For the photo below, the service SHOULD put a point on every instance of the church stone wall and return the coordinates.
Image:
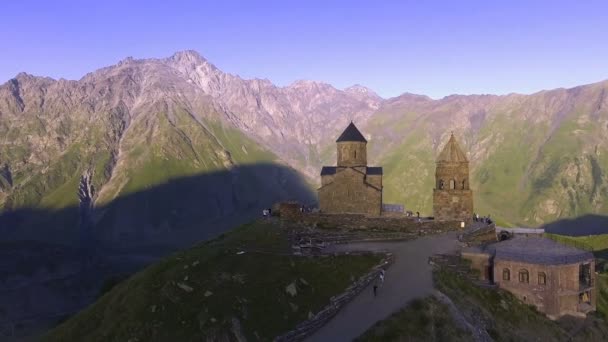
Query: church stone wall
(558, 296)
(452, 196)
(349, 193)
(451, 205)
(352, 153)
(544, 297)
(326, 179)
(447, 172)
(375, 180)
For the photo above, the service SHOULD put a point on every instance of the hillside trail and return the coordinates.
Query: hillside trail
(410, 277)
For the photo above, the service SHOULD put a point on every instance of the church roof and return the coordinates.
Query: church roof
(538, 250)
(351, 133)
(374, 170)
(328, 170)
(452, 152)
(370, 170)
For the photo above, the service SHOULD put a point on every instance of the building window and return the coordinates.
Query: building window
(441, 184)
(464, 182)
(355, 154)
(452, 184)
(524, 276)
(506, 274)
(542, 278)
(585, 278)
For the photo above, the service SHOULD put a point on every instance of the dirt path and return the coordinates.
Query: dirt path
(408, 278)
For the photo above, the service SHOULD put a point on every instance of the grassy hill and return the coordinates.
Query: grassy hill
(138, 184)
(242, 284)
(533, 159)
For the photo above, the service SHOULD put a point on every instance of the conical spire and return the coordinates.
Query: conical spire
(452, 153)
(351, 133)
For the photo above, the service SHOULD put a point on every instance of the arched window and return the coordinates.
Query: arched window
(464, 182)
(542, 278)
(452, 184)
(441, 184)
(355, 154)
(524, 276)
(506, 274)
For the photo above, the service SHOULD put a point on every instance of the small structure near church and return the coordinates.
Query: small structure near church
(452, 197)
(351, 186)
(557, 279)
(290, 210)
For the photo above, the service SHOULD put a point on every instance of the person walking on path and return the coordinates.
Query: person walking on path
(375, 289)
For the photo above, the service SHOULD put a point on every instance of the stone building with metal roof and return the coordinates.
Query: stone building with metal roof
(556, 278)
(351, 186)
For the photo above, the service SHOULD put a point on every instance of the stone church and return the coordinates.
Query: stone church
(452, 197)
(351, 186)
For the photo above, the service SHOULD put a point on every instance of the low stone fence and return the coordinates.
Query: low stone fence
(481, 235)
(336, 303)
(354, 222)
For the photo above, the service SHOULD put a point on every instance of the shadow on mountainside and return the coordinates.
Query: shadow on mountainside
(590, 224)
(178, 213)
(54, 263)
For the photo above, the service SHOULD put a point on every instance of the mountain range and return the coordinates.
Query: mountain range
(94, 144)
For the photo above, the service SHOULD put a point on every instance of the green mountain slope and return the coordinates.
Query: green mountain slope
(91, 157)
(212, 292)
(533, 158)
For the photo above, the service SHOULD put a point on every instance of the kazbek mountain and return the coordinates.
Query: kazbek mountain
(154, 148)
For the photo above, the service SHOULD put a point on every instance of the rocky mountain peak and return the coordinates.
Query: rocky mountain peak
(188, 57)
(307, 84)
(23, 78)
(359, 89)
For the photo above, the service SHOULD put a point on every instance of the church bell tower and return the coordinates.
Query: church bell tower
(352, 148)
(452, 197)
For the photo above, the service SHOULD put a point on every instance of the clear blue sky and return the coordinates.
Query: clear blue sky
(426, 47)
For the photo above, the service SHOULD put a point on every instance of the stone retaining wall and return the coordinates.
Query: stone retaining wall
(353, 222)
(479, 236)
(312, 324)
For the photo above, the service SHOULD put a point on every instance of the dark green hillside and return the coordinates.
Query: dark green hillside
(211, 292)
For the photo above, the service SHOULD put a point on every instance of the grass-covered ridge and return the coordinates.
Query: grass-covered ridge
(422, 320)
(533, 159)
(594, 243)
(212, 292)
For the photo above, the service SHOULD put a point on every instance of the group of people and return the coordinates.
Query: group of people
(411, 213)
(381, 277)
(266, 212)
(305, 209)
(485, 219)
